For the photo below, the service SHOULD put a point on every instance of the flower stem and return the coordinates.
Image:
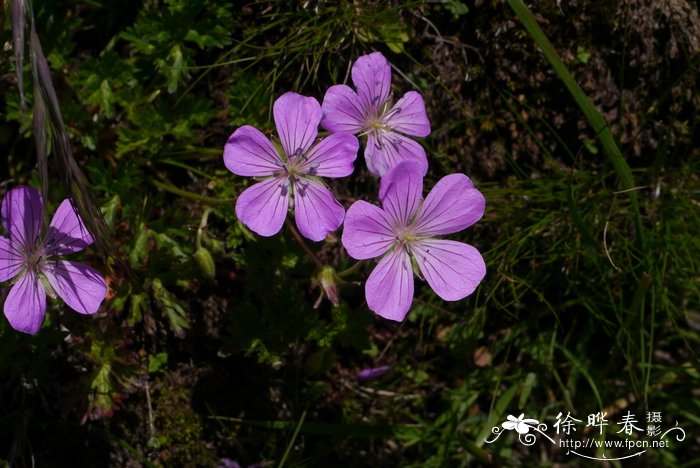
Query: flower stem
(303, 245)
(192, 196)
(349, 271)
(202, 226)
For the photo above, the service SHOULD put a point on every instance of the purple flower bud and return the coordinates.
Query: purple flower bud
(373, 372)
(327, 280)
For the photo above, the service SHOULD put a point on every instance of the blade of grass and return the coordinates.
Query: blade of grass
(294, 438)
(497, 414)
(595, 119)
(74, 180)
(18, 25)
(583, 370)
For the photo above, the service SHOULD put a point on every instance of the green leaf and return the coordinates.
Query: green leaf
(174, 312)
(456, 7)
(157, 362)
(581, 55)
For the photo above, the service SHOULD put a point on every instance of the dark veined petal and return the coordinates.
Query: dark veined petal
(67, 232)
(25, 306)
(452, 269)
(248, 152)
(372, 77)
(367, 232)
(297, 118)
(452, 205)
(389, 288)
(81, 287)
(22, 211)
(332, 157)
(408, 116)
(11, 261)
(400, 191)
(316, 211)
(342, 111)
(386, 149)
(263, 207)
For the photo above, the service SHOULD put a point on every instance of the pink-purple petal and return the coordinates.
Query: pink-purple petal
(316, 211)
(263, 207)
(371, 75)
(342, 111)
(400, 191)
(67, 232)
(248, 152)
(81, 287)
(373, 372)
(297, 118)
(386, 149)
(333, 156)
(408, 116)
(452, 269)
(452, 205)
(25, 306)
(22, 211)
(389, 288)
(367, 232)
(11, 260)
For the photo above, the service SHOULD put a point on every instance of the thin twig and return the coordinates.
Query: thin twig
(300, 241)
(605, 246)
(632, 189)
(151, 426)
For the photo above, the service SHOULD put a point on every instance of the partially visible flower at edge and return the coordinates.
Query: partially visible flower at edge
(369, 112)
(404, 230)
(27, 258)
(295, 175)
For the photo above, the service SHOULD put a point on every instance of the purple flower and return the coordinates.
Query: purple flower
(404, 231)
(373, 372)
(294, 174)
(369, 112)
(29, 259)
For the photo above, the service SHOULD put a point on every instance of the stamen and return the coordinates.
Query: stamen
(301, 186)
(312, 169)
(392, 112)
(298, 153)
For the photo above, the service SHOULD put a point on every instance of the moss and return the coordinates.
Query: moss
(178, 438)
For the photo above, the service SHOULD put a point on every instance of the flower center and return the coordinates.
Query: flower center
(297, 166)
(376, 125)
(35, 259)
(291, 168)
(404, 236)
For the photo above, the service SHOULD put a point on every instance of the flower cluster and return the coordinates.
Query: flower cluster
(405, 231)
